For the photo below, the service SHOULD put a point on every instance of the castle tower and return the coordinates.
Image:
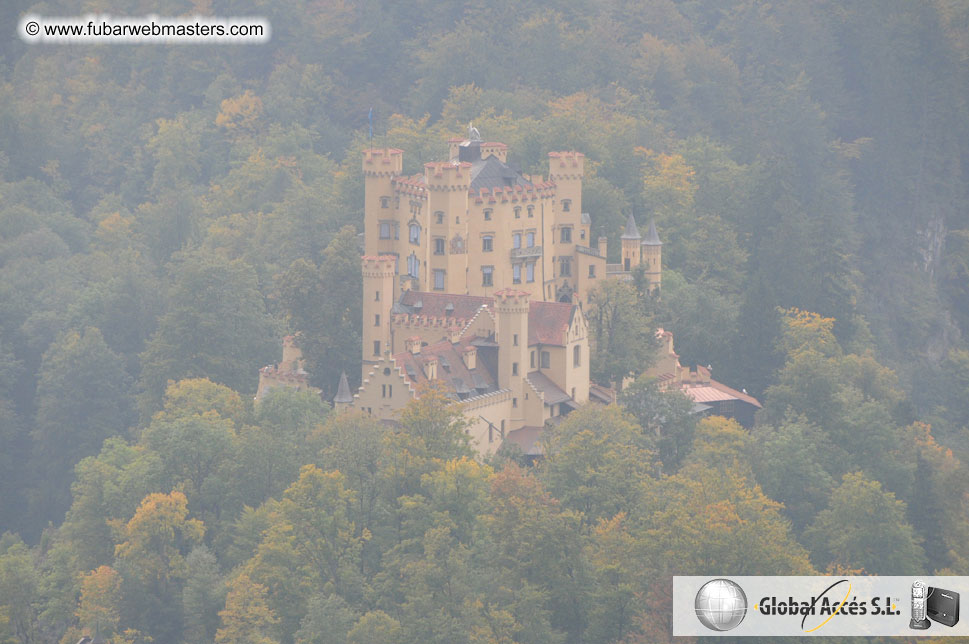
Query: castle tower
(652, 251)
(630, 245)
(511, 308)
(380, 166)
(447, 202)
(378, 299)
(343, 398)
(565, 170)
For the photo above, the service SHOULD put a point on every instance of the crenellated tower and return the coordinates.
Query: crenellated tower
(511, 309)
(378, 299)
(380, 168)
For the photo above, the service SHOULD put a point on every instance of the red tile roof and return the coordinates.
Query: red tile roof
(548, 322)
(450, 366)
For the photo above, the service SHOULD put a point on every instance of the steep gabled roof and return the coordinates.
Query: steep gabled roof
(549, 322)
(436, 304)
(492, 173)
(451, 369)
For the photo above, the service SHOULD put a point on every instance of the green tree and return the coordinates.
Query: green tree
(596, 460)
(203, 594)
(20, 600)
(667, 415)
(216, 327)
(82, 399)
(328, 621)
(865, 528)
(323, 304)
(621, 334)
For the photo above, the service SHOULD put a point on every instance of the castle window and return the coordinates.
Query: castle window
(487, 276)
(577, 355)
(592, 271)
(386, 391)
(376, 347)
(385, 202)
(376, 296)
(546, 360)
(582, 235)
(514, 402)
(518, 212)
(415, 234)
(385, 230)
(487, 214)
(439, 217)
(503, 428)
(530, 272)
(376, 320)
(530, 240)
(438, 245)
(566, 236)
(516, 240)
(487, 243)
(531, 360)
(413, 265)
(438, 279)
(531, 211)
(514, 368)
(566, 205)
(516, 273)
(565, 267)
(396, 230)
(514, 340)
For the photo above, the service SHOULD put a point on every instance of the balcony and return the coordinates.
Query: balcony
(526, 253)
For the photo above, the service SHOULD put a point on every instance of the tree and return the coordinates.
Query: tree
(667, 415)
(328, 621)
(865, 528)
(99, 608)
(151, 559)
(375, 627)
(323, 304)
(247, 617)
(216, 327)
(20, 599)
(202, 596)
(82, 399)
(621, 334)
(596, 460)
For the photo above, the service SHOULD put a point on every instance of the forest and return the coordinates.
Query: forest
(169, 212)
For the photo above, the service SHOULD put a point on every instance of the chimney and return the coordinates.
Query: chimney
(413, 344)
(470, 357)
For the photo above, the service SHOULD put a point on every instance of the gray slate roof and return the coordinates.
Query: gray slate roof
(652, 239)
(631, 232)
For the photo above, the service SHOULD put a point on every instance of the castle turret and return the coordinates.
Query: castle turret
(630, 245)
(511, 308)
(343, 398)
(380, 167)
(652, 253)
(378, 299)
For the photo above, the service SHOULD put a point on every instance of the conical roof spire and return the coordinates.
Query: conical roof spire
(652, 239)
(343, 394)
(631, 232)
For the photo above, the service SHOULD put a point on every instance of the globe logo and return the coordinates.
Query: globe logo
(720, 605)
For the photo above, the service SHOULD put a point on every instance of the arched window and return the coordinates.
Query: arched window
(415, 233)
(413, 265)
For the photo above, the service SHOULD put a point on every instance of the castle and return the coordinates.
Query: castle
(474, 278)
